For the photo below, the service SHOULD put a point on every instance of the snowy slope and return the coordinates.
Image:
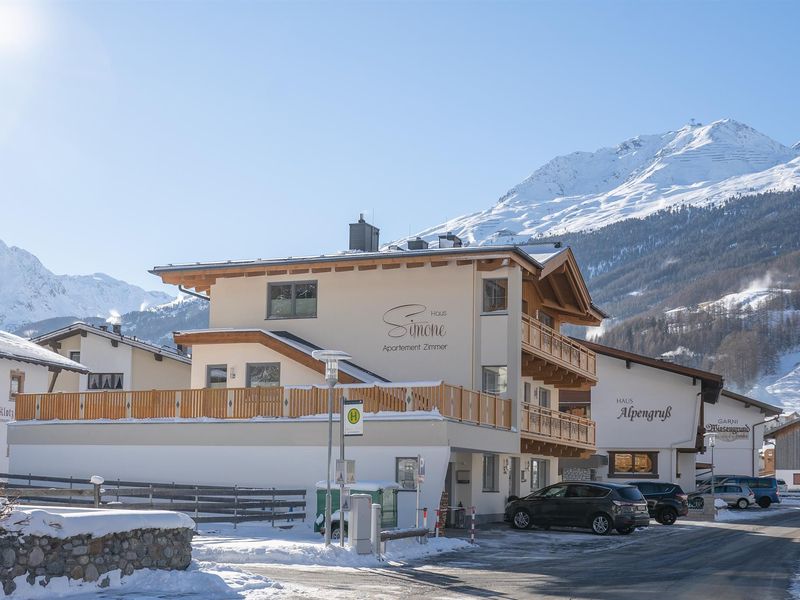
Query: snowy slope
(30, 292)
(782, 388)
(698, 164)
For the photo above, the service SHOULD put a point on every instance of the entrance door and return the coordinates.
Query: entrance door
(448, 495)
(513, 477)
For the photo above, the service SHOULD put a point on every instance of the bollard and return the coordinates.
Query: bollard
(438, 519)
(375, 537)
(425, 518)
(96, 481)
(472, 528)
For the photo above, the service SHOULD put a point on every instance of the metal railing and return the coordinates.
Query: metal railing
(543, 341)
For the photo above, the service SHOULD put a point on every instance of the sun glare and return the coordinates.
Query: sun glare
(20, 26)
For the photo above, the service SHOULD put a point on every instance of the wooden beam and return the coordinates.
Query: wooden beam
(321, 270)
(367, 267)
(414, 265)
(344, 268)
(440, 263)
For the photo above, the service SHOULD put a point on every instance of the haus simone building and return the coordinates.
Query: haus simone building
(457, 354)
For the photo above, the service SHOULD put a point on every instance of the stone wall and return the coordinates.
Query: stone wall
(86, 558)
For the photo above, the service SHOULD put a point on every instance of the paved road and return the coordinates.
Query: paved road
(722, 561)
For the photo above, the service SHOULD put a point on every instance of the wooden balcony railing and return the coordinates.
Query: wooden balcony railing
(454, 403)
(547, 343)
(550, 425)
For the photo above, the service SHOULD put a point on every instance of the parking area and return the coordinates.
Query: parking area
(738, 559)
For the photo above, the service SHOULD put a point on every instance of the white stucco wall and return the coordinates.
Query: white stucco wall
(36, 381)
(100, 356)
(734, 452)
(646, 409)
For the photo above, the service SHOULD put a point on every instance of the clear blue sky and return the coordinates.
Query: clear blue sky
(142, 133)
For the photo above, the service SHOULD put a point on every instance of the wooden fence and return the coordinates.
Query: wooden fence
(204, 503)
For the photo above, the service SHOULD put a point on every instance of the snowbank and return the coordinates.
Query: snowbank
(301, 546)
(68, 522)
(201, 580)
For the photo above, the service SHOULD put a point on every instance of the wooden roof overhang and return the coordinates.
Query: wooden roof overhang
(201, 277)
(560, 288)
(259, 337)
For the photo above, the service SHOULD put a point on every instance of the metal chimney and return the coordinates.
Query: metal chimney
(363, 236)
(417, 244)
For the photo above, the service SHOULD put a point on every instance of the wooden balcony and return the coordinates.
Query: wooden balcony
(554, 358)
(554, 433)
(453, 403)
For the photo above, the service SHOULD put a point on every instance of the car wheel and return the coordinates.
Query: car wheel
(336, 531)
(667, 516)
(625, 530)
(521, 519)
(764, 501)
(601, 524)
(742, 503)
(697, 502)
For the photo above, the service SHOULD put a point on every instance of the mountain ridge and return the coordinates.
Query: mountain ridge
(695, 165)
(31, 292)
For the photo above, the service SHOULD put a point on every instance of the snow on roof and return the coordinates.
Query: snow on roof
(538, 253)
(78, 326)
(13, 347)
(300, 344)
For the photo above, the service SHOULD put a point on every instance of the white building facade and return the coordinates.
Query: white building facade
(456, 353)
(24, 368)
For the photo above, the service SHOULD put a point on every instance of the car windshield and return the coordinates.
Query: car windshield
(630, 493)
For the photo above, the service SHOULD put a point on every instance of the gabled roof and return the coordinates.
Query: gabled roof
(288, 344)
(540, 260)
(712, 382)
(782, 428)
(81, 327)
(767, 409)
(13, 347)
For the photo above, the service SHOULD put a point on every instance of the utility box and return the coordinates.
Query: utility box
(360, 523)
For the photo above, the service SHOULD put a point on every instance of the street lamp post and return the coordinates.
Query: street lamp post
(712, 441)
(331, 359)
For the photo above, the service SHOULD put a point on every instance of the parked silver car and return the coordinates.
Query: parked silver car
(739, 496)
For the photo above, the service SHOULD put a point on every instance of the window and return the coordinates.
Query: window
(491, 480)
(554, 491)
(586, 491)
(538, 473)
(406, 469)
(292, 300)
(526, 393)
(263, 375)
(495, 295)
(105, 381)
(545, 319)
(633, 464)
(544, 397)
(75, 355)
(17, 384)
(217, 376)
(495, 380)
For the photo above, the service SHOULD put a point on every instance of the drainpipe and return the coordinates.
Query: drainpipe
(195, 294)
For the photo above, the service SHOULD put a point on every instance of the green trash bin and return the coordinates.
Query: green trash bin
(381, 492)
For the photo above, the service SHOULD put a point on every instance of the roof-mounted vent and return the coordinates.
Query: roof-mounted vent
(449, 240)
(417, 244)
(363, 236)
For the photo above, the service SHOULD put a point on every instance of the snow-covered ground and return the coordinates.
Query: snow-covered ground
(256, 543)
(783, 387)
(755, 513)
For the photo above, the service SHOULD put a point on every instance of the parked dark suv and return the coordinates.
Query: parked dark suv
(598, 506)
(665, 501)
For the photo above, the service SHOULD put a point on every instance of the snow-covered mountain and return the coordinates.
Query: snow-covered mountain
(30, 292)
(697, 164)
